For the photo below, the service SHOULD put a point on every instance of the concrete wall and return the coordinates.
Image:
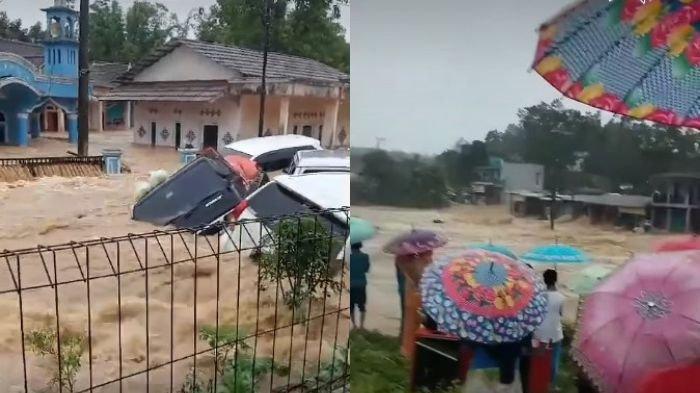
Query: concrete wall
(191, 117)
(183, 64)
(238, 117)
(522, 176)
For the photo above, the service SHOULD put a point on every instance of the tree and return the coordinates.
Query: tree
(307, 28)
(13, 30)
(148, 25)
(107, 37)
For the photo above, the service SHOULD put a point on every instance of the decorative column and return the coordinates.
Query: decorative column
(127, 115)
(36, 125)
(284, 115)
(72, 128)
(100, 116)
(330, 121)
(23, 128)
(61, 127)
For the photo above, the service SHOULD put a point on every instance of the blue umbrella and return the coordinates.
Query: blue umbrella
(495, 248)
(360, 230)
(556, 253)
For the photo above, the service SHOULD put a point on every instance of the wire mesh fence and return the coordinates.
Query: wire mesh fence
(179, 311)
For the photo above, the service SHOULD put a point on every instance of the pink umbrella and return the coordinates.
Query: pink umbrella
(642, 318)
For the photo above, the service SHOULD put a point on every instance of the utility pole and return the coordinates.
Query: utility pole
(266, 48)
(380, 140)
(84, 79)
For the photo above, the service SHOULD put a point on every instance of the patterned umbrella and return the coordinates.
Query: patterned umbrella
(639, 58)
(360, 230)
(495, 248)
(687, 244)
(415, 242)
(484, 297)
(643, 317)
(556, 253)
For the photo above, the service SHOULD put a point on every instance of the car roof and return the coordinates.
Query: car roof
(325, 190)
(324, 158)
(261, 145)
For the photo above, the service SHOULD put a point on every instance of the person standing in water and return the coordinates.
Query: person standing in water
(359, 267)
(550, 332)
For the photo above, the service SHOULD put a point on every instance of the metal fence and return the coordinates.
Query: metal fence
(178, 311)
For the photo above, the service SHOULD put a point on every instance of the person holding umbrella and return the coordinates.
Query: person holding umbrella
(413, 253)
(488, 300)
(359, 267)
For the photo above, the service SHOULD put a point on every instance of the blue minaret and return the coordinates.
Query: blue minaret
(61, 44)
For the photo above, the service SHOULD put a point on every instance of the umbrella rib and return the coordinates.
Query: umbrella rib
(627, 352)
(581, 342)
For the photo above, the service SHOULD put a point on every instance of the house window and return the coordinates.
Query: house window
(537, 178)
(59, 56)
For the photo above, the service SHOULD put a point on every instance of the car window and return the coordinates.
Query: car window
(324, 170)
(279, 159)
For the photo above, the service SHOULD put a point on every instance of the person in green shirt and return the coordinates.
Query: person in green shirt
(359, 266)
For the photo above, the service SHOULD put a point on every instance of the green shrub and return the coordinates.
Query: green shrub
(63, 368)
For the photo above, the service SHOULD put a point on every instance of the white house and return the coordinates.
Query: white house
(208, 95)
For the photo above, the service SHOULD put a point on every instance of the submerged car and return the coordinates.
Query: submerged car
(319, 161)
(272, 153)
(196, 196)
(287, 195)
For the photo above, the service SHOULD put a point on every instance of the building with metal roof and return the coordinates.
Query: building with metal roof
(208, 95)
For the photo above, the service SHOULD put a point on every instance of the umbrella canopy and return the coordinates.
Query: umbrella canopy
(589, 278)
(556, 253)
(671, 380)
(632, 57)
(495, 248)
(244, 166)
(360, 230)
(484, 297)
(641, 318)
(687, 244)
(415, 242)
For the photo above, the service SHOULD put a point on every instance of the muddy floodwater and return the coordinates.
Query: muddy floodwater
(181, 297)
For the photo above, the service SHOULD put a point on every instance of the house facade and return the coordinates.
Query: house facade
(676, 202)
(39, 83)
(509, 177)
(191, 93)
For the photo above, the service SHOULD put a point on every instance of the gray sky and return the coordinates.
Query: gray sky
(425, 73)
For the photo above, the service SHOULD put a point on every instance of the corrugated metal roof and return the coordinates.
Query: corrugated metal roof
(247, 62)
(629, 201)
(205, 91)
(32, 52)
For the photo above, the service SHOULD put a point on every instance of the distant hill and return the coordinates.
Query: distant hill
(357, 153)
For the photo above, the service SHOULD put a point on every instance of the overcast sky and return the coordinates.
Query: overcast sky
(425, 73)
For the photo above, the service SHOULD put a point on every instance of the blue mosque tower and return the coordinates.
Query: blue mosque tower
(36, 90)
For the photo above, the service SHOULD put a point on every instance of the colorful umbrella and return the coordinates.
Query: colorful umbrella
(588, 278)
(643, 317)
(495, 248)
(556, 253)
(687, 244)
(245, 167)
(639, 58)
(415, 242)
(360, 230)
(484, 297)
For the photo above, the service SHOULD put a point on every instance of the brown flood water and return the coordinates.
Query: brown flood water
(58, 210)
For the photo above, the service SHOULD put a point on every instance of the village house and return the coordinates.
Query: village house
(196, 94)
(500, 178)
(676, 202)
(39, 84)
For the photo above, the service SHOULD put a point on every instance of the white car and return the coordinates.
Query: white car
(272, 153)
(319, 161)
(288, 195)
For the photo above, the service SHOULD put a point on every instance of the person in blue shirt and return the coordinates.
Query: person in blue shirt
(359, 267)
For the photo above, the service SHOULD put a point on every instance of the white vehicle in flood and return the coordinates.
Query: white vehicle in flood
(319, 161)
(272, 153)
(288, 195)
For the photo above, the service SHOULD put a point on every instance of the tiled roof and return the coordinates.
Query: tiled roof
(200, 91)
(106, 74)
(247, 62)
(32, 52)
